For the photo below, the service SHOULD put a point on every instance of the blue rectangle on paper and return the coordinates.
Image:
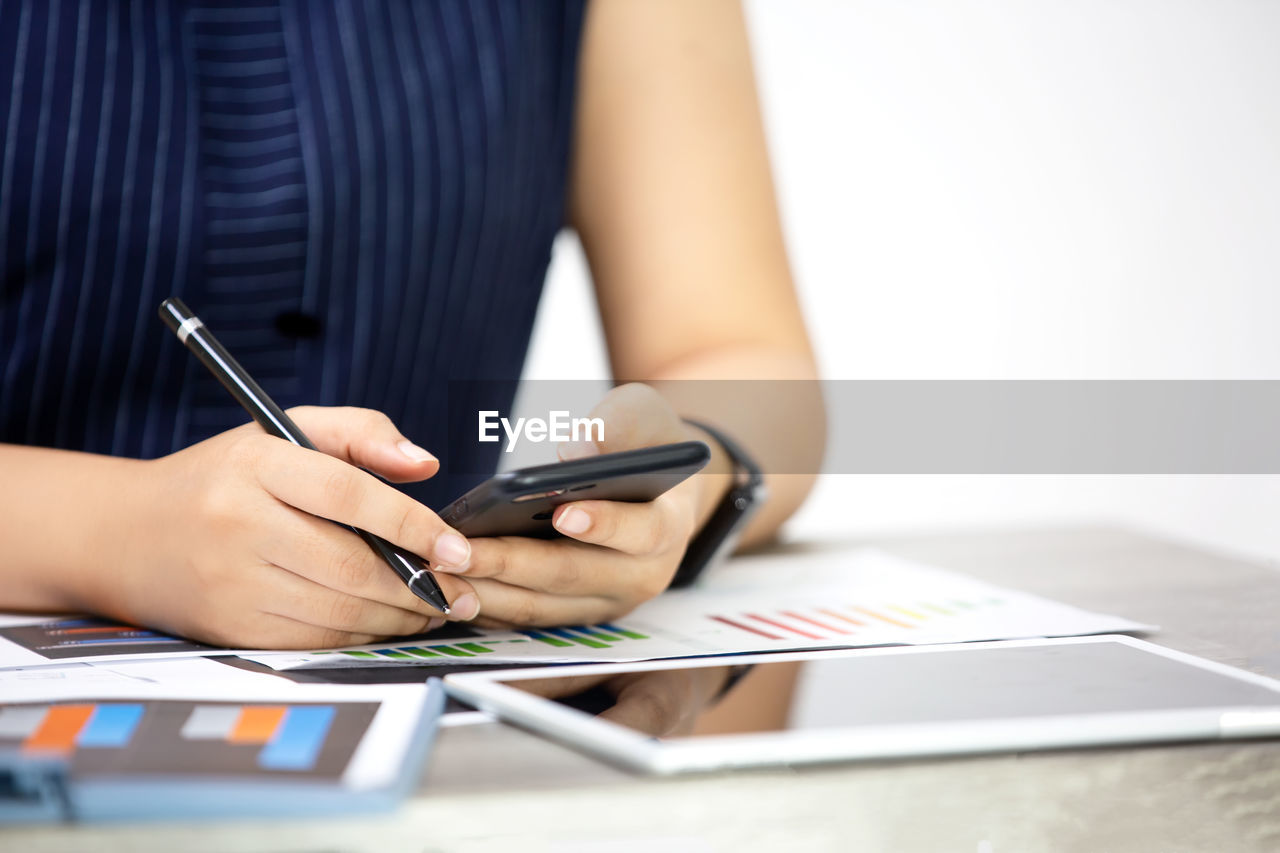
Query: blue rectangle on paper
(298, 739)
(110, 725)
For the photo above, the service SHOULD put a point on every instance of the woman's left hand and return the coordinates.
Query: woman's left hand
(613, 555)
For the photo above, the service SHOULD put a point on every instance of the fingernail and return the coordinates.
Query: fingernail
(465, 607)
(434, 623)
(414, 452)
(579, 449)
(573, 520)
(452, 550)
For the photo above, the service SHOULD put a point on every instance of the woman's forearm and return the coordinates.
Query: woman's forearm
(769, 400)
(61, 537)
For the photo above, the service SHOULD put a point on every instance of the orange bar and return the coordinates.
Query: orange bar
(59, 729)
(256, 725)
(842, 617)
(883, 618)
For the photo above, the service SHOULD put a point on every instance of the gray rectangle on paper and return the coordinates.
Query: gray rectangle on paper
(21, 722)
(210, 722)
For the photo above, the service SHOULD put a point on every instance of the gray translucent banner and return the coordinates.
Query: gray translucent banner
(963, 427)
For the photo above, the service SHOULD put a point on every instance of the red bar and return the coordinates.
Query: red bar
(843, 618)
(784, 627)
(742, 627)
(59, 728)
(815, 623)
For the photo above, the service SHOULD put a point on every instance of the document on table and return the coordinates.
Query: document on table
(768, 603)
(864, 598)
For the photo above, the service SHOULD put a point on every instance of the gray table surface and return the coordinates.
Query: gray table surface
(493, 788)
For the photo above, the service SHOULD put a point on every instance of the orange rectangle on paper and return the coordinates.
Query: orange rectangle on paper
(874, 615)
(256, 725)
(59, 728)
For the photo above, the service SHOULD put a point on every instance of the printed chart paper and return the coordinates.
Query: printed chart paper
(836, 599)
(774, 604)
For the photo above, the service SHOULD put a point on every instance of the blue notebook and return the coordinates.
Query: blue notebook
(153, 754)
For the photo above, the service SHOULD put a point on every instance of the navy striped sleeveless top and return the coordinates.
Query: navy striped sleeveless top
(359, 198)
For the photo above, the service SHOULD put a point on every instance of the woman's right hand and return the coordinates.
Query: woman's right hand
(227, 541)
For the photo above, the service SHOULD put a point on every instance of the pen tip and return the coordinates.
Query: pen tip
(444, 608)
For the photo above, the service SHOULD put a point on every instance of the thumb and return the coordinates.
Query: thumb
(365, 438)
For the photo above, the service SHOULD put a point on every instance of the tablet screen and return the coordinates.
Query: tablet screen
(952, 684)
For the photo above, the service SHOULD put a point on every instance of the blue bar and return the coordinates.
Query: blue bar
(298, 739)
(111, 725)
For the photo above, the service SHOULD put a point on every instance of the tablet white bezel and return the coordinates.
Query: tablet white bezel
(486, 691)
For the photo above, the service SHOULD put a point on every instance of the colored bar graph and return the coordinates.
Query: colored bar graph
(842, 617)
(623, 632)
(877, 615)
(575, 638)
(59, 729)
(475, 648)
(110, 726)
(394, 653)
(744, 627)
(814, 622)
(600, 635)
(783, 626)
(543, 638)
(452, 652)
(419, 652)
(298, 739)
(256, 725)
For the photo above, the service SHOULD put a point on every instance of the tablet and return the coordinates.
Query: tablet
(905, 702)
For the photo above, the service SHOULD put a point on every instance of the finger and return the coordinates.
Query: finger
(518, 606)
(654, 703)
(633, 528)
(634, 416)
(298, 598)
(664, 702)
(566, 567)
(365, 438)
(332, 555)
(269, 631)
(324, 486)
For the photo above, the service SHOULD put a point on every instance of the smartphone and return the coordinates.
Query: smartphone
(521, 502)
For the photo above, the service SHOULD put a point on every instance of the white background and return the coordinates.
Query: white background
(1084, 189)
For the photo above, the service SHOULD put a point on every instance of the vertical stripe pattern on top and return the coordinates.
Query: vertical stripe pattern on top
(359, 198)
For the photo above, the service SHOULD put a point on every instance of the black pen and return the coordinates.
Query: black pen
(411, 568)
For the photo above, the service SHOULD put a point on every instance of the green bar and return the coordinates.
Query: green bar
(550, 641)
(630, 635)
(966, 605)
(608, 638)
(582, 641)
(452, 652)
(936, 609)
(474, 647)
(389, 653)
(361, 654)
(422, 653)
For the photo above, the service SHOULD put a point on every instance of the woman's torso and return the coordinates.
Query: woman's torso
(359, 198)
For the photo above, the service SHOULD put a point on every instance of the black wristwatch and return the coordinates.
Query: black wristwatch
(720, 535)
